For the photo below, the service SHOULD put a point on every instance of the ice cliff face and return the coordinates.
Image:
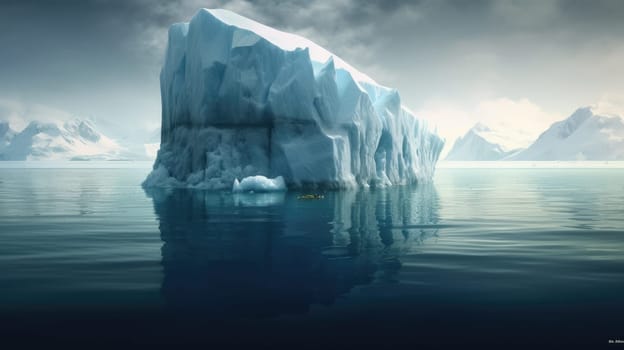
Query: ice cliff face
(242, 99)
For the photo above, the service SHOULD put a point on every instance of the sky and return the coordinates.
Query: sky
(513, 65)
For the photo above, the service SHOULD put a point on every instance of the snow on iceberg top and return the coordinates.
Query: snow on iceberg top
(288, 41)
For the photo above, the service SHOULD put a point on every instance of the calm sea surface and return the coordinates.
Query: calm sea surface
(509, 256)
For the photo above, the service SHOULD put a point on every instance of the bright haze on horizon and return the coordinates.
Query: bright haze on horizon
(515, 65)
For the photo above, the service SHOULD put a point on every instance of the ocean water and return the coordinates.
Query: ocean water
(479, 256)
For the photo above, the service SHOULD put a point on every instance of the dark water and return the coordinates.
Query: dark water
(509, 256)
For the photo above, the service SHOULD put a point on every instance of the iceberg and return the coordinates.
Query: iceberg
(241, 99)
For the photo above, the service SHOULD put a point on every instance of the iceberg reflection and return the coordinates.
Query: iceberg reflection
(258, 199)
(258, 256)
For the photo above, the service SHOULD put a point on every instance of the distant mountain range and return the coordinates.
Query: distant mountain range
(76, 139)
(582, 136)
(585, 135)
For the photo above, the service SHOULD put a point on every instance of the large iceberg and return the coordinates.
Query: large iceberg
(242, 99)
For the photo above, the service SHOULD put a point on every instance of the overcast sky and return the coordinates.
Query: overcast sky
(512, 64)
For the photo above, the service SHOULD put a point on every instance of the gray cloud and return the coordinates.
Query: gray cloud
(101, 57)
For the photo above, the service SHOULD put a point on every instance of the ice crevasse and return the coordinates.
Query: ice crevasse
(242, 99)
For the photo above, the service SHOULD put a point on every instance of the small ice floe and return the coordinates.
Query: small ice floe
(259, 183)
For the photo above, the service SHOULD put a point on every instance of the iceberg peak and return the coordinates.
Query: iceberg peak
(286, 41)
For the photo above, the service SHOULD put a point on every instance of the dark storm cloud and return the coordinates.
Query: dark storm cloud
(110, 29)
(102, 57)
(121, 32)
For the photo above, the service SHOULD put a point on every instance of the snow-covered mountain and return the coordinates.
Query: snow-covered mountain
(6, 135)
(480, 143)
(73, 140)
(242, 99)
(584, 135)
